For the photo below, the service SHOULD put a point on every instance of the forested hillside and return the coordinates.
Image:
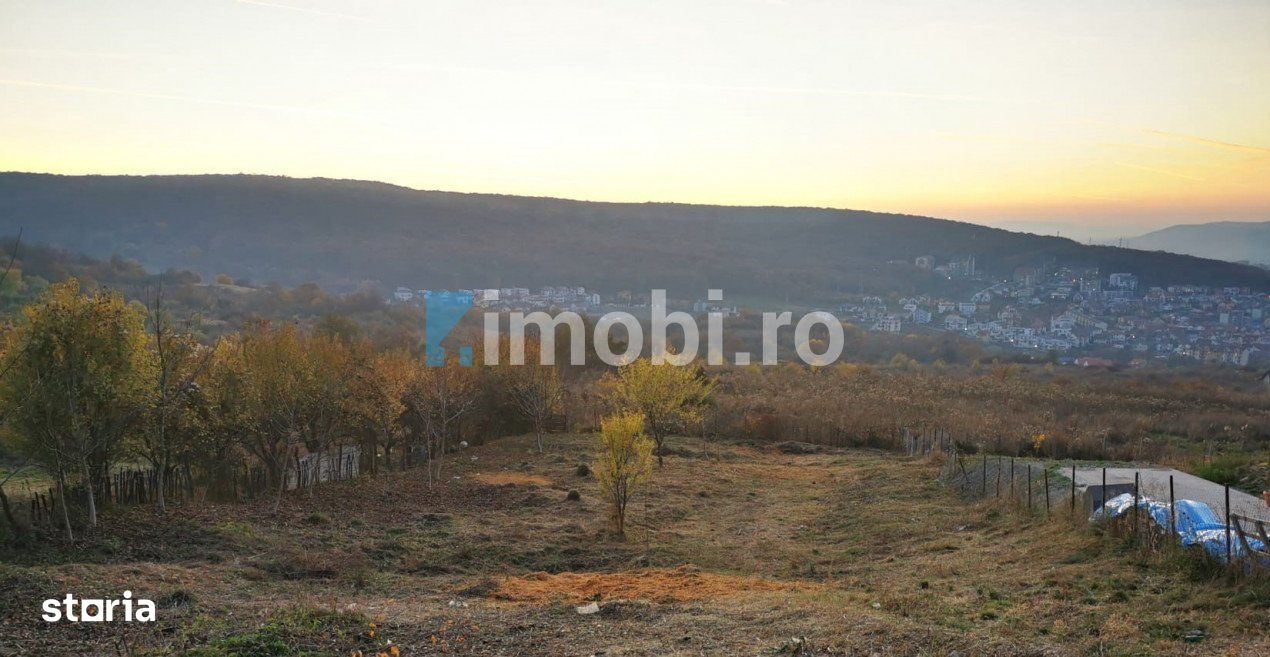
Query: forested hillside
(340, 234)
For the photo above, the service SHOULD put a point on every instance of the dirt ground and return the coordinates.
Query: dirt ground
(732, 550)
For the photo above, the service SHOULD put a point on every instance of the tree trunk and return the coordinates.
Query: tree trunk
(90, 496)
(159, 493)
(18, 530)
(432, 455)
(440, 453)
(282, 481)
(316, 471)
(66, 515)
(621, 498)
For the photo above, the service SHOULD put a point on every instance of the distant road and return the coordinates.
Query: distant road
(1155, 484)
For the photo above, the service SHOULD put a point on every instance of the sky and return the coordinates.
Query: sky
(1090, 118)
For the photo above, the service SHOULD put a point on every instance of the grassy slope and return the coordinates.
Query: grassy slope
(858, 552)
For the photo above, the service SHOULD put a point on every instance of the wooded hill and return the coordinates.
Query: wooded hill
(341, 233)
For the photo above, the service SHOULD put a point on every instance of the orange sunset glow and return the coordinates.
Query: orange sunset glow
(1084, 113)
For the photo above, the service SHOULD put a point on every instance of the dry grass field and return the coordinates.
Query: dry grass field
(734, 550)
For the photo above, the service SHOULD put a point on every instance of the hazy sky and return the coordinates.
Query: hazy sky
(1078, 112)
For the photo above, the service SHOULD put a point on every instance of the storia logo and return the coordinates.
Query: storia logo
(97, 610)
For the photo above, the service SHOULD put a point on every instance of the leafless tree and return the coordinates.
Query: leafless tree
(537, 392)
(439, 397)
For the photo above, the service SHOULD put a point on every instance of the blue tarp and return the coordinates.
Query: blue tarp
(1196, 523)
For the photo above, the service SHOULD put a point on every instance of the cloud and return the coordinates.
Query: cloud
(304, 10)
(1163, 172)
(1209, 142)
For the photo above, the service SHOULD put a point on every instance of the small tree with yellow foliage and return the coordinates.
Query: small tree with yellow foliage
(666, 395)
(625, 463)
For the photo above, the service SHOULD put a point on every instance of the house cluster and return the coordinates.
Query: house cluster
(958, 268)
(523, 299)
(1066, 309)
(705, 306)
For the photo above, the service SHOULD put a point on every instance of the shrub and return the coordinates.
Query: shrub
(624, 463)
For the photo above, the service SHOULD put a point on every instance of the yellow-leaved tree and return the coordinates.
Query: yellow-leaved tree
(668, 396)
(624, 463)
(378, 383)
(75, 386)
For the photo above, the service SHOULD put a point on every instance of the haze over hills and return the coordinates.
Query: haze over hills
(1222, 240)
(341, 233)
(1106, 232)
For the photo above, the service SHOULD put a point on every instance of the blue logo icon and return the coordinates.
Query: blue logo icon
(442, 312)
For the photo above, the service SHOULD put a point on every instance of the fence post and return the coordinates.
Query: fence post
(1073, 489)
(1029, 488)
(1227, 524)
(1103, 495)
(1243, 536)
(1013, 498)
(1172, 509)
(998, 475)
(1047, 493)
(1134, 530)
(983, 485)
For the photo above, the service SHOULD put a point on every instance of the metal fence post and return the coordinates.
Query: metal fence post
(983, 479)
(1046, 472)
(1134, 530)
(1073, 489)
(1172, 509)
(1103, 495)
(1227, 524)
(1029, 488)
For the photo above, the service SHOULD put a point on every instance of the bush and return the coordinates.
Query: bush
(1228, 469)
(624, 463)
